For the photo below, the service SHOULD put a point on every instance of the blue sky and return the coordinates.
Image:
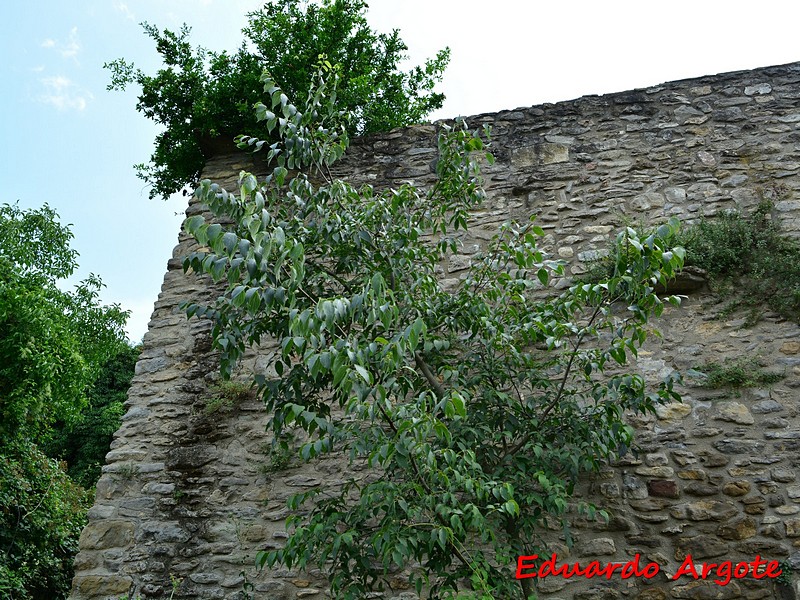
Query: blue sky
(70, 143)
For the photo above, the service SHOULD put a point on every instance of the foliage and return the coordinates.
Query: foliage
(36, 243)
(737, 373)
(83, 444)
(748, 260)
(785, 578)
(749, 257)
(53, 345)
(42, 512)
(475, 408)
(201, 94)
(290, 39)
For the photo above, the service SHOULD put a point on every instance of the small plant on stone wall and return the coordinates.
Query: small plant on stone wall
(750, 263)
(476, 408)
(126, 472)
(279, 453)
(737, 373)
(247, 587)
(175, 582)
(785, 578)
(226, 395)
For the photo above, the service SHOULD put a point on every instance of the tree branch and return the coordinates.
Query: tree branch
(435, 384)
(516, 448)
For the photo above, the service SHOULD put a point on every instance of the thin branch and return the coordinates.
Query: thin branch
(435, 384)
(426, 487)
(516, 448)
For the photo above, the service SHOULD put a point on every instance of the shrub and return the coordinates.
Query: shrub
(477, 408)
(747, 257)
(738, 373)
(84, 443)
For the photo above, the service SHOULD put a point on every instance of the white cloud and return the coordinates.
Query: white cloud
(68, 49)
(64, 94)
(123, 8)
(73, 45)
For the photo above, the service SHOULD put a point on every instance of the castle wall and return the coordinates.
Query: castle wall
(192, 491)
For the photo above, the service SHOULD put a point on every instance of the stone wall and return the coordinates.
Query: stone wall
(191, 491)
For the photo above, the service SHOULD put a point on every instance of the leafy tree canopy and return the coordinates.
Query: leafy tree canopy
(475, 408)
(52, 342)
(42, 512)
(200, 94)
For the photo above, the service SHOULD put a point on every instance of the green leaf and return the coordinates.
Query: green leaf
(543, 276)
(364, 374)
(229, 241)
(192, 224)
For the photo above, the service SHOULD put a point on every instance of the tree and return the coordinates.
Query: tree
(476, 409)
(200, 94)
(53, 344)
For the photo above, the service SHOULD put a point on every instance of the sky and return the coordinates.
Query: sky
(71, 144)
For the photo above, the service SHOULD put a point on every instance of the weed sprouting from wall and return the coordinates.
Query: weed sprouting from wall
(750, 263)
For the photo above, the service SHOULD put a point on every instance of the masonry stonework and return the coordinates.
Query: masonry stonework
(191, 490)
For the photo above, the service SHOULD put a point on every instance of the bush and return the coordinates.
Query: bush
(83, 444)
(739, 373)
(746, 256)
(53, 346)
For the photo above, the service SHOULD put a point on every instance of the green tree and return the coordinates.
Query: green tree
(53, 344)
(476, 408)
(199, 95)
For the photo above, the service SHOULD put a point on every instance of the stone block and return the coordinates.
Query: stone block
(736, 488)
(793, 528)
(673, 411)
(737, 529)
(665, 488)
(106, 534)
(97, 586)
(734, 412)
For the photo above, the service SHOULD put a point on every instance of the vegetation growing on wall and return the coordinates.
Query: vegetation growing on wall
(477, 407)
(200, 94)
(737, 373)
(748, 259)
(53, 346)
(749, 262)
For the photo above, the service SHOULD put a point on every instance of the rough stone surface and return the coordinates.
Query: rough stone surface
(190, 489)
